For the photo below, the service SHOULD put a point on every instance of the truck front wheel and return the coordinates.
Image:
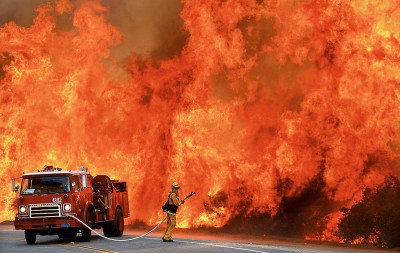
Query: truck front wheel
(87, 233)
(30, 236)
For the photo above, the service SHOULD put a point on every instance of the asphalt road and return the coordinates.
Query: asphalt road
(14, 241)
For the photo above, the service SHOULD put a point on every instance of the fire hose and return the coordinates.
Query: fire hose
(123, 240)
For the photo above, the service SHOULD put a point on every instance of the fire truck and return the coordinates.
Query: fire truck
(48, 198)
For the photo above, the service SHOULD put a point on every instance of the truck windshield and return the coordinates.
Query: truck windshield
(45, 185)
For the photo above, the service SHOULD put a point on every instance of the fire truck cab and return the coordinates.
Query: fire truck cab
(46, 197)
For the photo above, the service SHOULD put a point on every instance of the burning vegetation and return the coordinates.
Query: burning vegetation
(375, 218)
(279, 113)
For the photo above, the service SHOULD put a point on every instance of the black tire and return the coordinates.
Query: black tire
(87, 233)
(118, 224)
(30, 236)
(107, 229)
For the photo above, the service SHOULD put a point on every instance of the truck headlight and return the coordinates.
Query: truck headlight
(22, 209)
(67, 207)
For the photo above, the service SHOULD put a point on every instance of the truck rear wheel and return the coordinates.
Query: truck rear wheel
(107, 229)
(87, 233)
(30, 236)
(118, 224)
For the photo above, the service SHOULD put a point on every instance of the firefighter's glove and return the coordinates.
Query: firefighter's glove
(182, 202)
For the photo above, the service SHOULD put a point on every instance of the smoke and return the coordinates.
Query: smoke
(19, 11)
(150, 28)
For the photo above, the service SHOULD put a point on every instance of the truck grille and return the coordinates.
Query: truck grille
(44, 210)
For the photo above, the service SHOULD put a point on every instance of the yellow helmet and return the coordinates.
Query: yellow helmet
(175, 185)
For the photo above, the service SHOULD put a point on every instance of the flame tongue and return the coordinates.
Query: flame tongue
(264, 103)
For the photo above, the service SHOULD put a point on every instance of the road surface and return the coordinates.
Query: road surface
(14, 241)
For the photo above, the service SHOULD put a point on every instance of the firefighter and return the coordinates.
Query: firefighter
(173, 199)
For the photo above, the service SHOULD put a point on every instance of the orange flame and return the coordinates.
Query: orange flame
(264, 99)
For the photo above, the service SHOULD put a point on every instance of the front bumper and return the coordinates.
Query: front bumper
(21, 223)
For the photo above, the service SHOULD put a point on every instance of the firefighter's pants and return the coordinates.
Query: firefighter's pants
(171, 222)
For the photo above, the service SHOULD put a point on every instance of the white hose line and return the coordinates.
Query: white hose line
(112, 239)
(190, 242)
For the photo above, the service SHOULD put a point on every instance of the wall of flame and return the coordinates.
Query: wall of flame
(245, 102)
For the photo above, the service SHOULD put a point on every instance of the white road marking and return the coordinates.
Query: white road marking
(213, 245)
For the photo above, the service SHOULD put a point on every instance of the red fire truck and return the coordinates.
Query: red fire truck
(47, 197)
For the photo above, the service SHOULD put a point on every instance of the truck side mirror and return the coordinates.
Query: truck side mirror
(15, 187)
(74, 187)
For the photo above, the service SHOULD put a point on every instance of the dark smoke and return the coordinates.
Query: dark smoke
(150, 28)
(19, 11)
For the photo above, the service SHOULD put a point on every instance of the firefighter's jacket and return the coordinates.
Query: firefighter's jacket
(174, 202)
